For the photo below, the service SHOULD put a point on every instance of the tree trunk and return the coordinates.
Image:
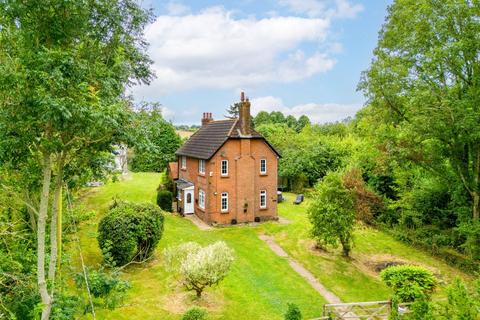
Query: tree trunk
(476, 206)
(199, 293)
(55, 226)
(41, 224)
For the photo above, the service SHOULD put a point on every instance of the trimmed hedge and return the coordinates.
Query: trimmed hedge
(129, 231)
(164, 200)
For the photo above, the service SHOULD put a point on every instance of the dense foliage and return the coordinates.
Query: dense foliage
(154, 140)
(130, 231)
(332, 214)
(200, 267)
(409, 283)
(277, 117)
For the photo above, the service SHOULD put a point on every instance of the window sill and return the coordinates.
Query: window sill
(263, 209)
(201, 174)
(201, 209)
(224, 176)
(224, 212)
(263, 174)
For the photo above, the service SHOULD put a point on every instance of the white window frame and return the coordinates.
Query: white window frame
(201, 198)
(221, 168)
(201, 166)
(183, 162)
(263, 194)
(224, 196)
(264, 171)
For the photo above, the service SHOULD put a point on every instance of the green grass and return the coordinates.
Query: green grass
(260, 284)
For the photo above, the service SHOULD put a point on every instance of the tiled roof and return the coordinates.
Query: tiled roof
(210, 137)
(172, 170)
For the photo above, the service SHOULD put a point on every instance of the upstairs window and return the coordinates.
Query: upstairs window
(263, 199)
(263, 166)
(183, 164)
(201, 199)
(201, 166)
(224, 202)
(224, 168)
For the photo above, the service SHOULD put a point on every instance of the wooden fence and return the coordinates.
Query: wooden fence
(372, 310)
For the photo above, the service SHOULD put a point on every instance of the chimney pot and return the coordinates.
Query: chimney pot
(242, 96)
(207, 117)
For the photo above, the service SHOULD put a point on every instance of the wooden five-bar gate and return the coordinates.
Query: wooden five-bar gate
(372, 310)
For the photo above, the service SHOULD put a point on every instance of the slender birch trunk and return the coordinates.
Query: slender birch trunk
(55, 226)
(41, 224)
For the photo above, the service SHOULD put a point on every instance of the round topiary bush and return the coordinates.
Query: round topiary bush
(164, 200)
(129, 231)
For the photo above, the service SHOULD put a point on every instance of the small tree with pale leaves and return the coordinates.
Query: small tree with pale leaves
(200, 267)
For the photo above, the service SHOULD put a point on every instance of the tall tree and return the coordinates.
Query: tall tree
(233, 111)
(64, 67)
(425, 81)
(155, 140)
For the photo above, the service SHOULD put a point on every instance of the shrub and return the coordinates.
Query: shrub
(195, 313)
(129, 231)
(332, 213)
(164, 200)
(200, 267)
(409, 282)
(107, 289)
(293, 312)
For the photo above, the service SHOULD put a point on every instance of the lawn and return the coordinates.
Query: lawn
(260, 284)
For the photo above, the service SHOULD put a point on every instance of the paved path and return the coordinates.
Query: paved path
(301, 270)
(199, 223)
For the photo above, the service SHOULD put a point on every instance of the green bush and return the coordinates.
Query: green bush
(195, 313)
(409, 282)
(332, 214)
(164, 200)
(293, 312)
(129, 231)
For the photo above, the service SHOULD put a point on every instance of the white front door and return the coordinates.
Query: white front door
(188, 200)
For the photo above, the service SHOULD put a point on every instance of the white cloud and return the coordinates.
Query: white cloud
(214, 49)
(323, 8)
(317, 112)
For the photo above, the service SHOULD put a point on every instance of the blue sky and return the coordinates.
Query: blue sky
(296, 56)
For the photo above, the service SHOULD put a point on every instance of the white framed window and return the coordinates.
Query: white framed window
(201, 166)
(201, 198)
(224, 201)
(263, 166)
(224, 168)
(183, 163)
(263, 199)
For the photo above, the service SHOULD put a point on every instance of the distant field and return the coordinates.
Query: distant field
(185, 134)
(260, 284)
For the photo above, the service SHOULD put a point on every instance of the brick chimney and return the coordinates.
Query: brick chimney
(244, 115)
(207, 117)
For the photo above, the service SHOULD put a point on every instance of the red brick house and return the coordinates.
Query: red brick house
(227, 172)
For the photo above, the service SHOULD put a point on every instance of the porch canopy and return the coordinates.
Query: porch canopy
(183, 184)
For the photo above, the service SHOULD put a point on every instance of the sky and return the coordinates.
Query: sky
(295, 56)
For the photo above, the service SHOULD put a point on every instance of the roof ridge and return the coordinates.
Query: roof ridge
(233, 127)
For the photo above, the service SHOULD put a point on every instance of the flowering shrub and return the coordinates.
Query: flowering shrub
(200, 267)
